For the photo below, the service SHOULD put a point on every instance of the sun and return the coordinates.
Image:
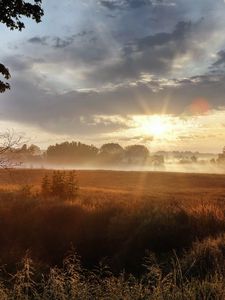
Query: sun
(156, 126)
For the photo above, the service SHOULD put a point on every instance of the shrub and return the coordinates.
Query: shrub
(25, 192)
(45, 186)
(63, 185)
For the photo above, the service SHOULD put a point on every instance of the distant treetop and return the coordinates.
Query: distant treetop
(112, 148)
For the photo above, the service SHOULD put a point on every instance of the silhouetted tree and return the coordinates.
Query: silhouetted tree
(111, 153)
(136, 154)
(71, 153)
(34, 150)
(111, 148)
(76, 153)
(11, 14)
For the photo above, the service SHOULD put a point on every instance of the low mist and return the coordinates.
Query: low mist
(206, 168)
(112, 156)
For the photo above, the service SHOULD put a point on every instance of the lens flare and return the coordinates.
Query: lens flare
(199, 106)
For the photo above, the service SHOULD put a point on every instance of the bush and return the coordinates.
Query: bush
(63, 185)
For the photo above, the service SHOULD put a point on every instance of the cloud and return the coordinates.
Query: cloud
(153, 54)
(20, 63)
(62, 43)
(221, 59)
(162, 38)
(58, 42)
(133, 4)
(109, 4)
(38, 40)
(115, 4)
(107, 109)
(151, 57)
(109, 51)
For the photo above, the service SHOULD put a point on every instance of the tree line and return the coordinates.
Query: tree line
(110, 153)
(77, 153)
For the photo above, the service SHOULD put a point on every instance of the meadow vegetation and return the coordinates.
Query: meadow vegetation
(124, 237)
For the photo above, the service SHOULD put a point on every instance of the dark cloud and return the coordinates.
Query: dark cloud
(123, 4)
(159, 39)
(78, 112)
(62, 43)
(122, 49)
(221, 59)
(109, 4)
(58, 42)
(38, 40)
(153, 54)
(127, 62)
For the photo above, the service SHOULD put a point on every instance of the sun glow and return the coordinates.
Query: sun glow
(156, 126)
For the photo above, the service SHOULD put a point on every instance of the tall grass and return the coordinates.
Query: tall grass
(72, 281)
(98, 227)
(181, 238)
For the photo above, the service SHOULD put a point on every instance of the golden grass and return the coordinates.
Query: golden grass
(117, 216)
(138, 183)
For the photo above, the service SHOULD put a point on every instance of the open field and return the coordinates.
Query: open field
(135, 183)
(176, 221)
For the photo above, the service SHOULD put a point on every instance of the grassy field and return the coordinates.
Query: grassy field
(146, 183)
(166, 229)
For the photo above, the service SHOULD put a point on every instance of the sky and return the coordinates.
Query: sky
(146, 72)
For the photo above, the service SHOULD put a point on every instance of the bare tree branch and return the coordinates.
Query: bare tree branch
(9, 144)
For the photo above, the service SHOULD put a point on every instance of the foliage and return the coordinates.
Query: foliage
(5, 72)
(11, 13)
